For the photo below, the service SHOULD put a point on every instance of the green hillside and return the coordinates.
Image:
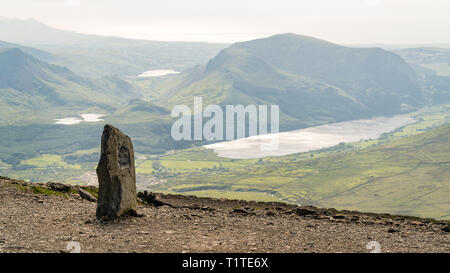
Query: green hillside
(407, 176)
(35, 91)
(433, 67)
(313, 81)
(38, 54)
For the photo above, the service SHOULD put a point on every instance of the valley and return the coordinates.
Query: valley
(360, 128)
(339, 176)
(405, 175)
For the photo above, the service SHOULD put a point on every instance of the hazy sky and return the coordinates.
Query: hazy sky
(340, 21)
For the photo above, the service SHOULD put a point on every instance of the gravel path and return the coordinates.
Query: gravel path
(32, 222)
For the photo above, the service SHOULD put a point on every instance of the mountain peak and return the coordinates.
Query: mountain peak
(291, 35)
(14, 57)
(292, 66)
(13, 50)
(287, 40)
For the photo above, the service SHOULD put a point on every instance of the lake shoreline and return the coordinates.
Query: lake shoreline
(308, 139)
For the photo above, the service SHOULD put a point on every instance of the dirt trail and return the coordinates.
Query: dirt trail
(43, 220)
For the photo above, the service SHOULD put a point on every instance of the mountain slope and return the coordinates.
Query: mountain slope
(28, 85)
(409, 176)
(34, 93)
(95, 55)
(433, 67)
(38, 54)
(313, 81)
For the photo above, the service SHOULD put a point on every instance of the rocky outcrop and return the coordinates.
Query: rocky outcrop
(305, 211)
(59, 186)
(86, 195)
(116, 175)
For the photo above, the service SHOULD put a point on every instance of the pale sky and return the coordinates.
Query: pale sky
(339, 21)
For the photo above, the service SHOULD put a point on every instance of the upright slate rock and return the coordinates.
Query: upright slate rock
(116, 175)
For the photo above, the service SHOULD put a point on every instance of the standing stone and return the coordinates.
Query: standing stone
(116, 175)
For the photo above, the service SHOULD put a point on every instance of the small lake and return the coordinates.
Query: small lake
(92, 117)
(308, 139)
(157, 73)
(81, 118)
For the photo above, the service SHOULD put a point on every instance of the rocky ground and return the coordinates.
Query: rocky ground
(55, 218)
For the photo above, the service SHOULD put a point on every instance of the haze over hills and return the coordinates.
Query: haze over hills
(433, 67)
(224, 126)
(95, 55)
(34, 93)
(38, 54)
(29, 86)
(312, 80)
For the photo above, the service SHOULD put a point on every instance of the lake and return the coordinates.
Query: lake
(157, 73)
(308, 139)
(81, 118)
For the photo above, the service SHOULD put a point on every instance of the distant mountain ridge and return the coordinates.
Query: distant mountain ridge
(28, 85)
(38, 54)
(34, 93)
(312, 80)
(309, 90)
(433, 67)
(95, 55)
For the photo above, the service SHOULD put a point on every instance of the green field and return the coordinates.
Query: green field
(441, 69)
(407, 176)
(314, 82)
(402, 172)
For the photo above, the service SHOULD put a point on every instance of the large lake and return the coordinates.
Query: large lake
(308, 139)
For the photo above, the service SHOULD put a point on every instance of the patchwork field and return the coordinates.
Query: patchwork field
(404, 172)
(406, 176)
